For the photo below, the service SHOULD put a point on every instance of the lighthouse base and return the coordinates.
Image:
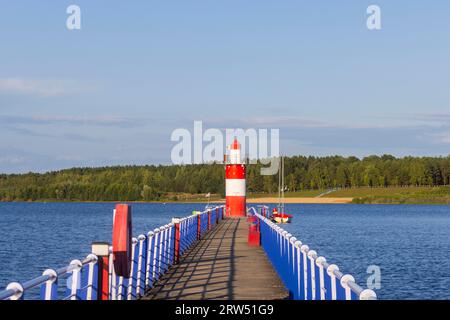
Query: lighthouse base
(236, 206)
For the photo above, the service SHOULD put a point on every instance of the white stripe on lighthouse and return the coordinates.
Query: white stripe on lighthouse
(235, 187)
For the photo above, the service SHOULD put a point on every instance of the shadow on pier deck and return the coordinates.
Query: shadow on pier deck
(221, 266)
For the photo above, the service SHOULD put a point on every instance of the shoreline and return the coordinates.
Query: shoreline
(262, 200)
(249, 200)
(302, 200)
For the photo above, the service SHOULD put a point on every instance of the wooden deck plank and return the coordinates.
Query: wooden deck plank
(221, 266)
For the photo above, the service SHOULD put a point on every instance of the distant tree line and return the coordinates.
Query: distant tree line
(149, 183)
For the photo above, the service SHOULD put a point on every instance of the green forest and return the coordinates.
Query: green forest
(168, 182)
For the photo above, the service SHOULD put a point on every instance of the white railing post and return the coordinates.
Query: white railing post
(155, 252)
(166, 247)
(112, 277)
(141, 239)
(92, 278)
(75, 283)
(120, 289)
(49, 289)
(160, 250)
(320, 262)
(292, 241)
(304, 249)
(298, 245)
(288, 242)
(168, 243)
(312, 255)
(330, 270)
(344, 283)
(149, 260)
(132, 270)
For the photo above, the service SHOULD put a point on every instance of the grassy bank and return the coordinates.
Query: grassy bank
(297, 194)
(389, 195)
(420, 195)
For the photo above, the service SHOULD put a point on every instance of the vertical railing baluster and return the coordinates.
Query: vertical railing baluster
(149, 270)
(141, 263)
(131, 288)
(300, 290)
(344, 283)
(92, 278)
(312, 255)
(291, 268)
(169, 245)
(320, 262)
(121, 288)
(155, 276)
(304, 251)
(330, 271)
(167, 251)
(49, 289)
(75, 279)
(160, 249)
(112, 278)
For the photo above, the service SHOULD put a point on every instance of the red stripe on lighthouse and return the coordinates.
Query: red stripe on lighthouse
(235, 171)
(236, 206)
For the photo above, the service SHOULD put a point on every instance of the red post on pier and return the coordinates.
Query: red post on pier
(101, 250)
(217, 215)
(199, 227)
(209, 219)
(254, 234)
(176, 223)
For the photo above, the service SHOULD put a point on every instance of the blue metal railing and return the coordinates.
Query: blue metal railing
(152, 255)
(305, 275)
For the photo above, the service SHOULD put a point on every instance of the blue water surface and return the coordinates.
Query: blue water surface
(409, 243)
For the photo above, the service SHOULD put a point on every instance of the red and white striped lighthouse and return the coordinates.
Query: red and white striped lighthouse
(235, 182)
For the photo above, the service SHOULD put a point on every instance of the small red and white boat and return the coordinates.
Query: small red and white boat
(278, 213)
(280, 217)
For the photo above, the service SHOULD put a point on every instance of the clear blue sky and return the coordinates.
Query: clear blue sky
(112, 92)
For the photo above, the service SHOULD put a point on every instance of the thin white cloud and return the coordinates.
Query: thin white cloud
(266, 122)
(294, 122)
(430, 119)
(11, 160)
(38, 87)
(441, 137)
(106, 120)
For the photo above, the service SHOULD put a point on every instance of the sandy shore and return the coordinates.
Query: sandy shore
(301, 200)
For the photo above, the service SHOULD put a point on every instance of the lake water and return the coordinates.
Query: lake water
(409, 243)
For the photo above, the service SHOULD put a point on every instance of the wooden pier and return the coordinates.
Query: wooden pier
(221, 266)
